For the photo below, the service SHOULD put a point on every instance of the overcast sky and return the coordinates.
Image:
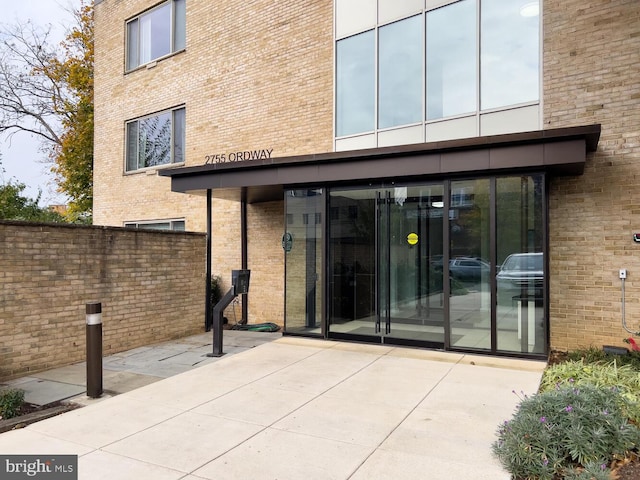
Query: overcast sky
(21, 157)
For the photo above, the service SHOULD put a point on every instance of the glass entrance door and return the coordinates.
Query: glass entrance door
(385, 256)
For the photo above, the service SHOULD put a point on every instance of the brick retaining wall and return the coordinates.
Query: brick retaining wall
(151, 285)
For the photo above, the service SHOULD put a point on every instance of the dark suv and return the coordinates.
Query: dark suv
(468, 269)
(521, 273)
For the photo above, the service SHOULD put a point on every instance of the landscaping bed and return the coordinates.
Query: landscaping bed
(583, 424)
(16, 413)
(34, 413)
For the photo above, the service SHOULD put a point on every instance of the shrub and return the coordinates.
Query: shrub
(598, 355)
(589, 355)
(568, 432)
(10, 403)
(606, 375)
(216, 289)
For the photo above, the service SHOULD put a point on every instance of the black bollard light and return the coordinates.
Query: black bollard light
(94, 349)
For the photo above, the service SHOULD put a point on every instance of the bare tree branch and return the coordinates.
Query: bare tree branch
(47, 91)
(30, 99)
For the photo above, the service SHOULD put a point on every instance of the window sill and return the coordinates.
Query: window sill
(153, 170)
(151, 64)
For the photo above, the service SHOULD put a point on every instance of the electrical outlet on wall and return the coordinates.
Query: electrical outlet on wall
(623, 273)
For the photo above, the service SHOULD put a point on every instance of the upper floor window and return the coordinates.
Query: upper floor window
(509, 53)
(156, 33)
(461, 59)
(156, 140)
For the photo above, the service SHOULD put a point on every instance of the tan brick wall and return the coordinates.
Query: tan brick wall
(267, 82)
(151, 286)
(266, 261)
(592, 75)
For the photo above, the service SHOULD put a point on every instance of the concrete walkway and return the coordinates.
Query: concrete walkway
(126, 371)
(296, 408)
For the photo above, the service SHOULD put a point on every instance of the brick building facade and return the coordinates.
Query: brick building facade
(590, 71)
(535, 161)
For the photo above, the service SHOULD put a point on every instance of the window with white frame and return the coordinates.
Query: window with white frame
(464, 58)
(155, 140)
(156, 33)
(177, 225)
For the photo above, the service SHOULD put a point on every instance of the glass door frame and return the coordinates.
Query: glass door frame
(493, 228)
(382, 198)
(447, 343)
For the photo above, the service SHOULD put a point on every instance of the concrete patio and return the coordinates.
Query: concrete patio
(294, 408)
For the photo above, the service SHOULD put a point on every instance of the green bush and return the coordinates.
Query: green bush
(606, 375)
(216, 289)
(10, 402)
(589, 355)
(568, 432)
(598, 355)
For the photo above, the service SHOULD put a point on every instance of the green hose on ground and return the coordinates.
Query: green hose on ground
(257, 327)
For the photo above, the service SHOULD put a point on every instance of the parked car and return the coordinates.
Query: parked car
(521, 273)
(468, 269)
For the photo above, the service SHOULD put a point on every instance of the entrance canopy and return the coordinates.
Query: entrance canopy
(560, 151)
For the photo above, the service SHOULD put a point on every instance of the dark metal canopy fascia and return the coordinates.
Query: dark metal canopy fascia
(560, 151)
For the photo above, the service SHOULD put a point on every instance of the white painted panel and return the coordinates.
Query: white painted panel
(522, 119)
(390, 10)
(356, 143)
(431, 4)
(354, 16)
(400, 136)
(451, 129)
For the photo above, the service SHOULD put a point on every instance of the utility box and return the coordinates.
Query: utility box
(240, 281)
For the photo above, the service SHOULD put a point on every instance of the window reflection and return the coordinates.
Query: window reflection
(155, 34)
(304, 270)
(178, 135)
(509, 55)
(355, 84)
(400, 76)
(520, 277)
(155, 140)
(469, 264)
(179, 25)
(440, 50)
(451, 60)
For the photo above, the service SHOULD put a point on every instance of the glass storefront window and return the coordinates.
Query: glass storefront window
(302, 244)
(520, 278)
(510, 53)
(390, 249)
(355, 84)
(451, 60)
(469, 264)
(400, 73)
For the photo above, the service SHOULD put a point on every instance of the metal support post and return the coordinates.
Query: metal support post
(218, 321)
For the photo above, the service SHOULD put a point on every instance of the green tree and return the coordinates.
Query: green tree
(15, 206)
(48, 91)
